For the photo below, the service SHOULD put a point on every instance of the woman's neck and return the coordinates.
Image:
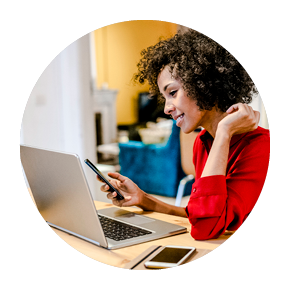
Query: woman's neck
(212, 120)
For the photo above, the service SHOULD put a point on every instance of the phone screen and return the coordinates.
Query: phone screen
(170, 255)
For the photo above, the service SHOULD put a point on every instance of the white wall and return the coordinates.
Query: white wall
(58, 114)
(257, 104)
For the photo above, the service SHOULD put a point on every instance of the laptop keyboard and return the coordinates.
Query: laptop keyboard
(119, 231)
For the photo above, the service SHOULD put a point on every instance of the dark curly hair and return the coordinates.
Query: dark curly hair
(209, 73)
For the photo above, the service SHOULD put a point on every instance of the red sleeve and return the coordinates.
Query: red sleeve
(219, 203)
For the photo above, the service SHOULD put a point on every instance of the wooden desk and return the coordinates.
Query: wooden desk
(120, 257)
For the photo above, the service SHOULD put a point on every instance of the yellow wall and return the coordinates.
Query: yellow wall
(118, 48)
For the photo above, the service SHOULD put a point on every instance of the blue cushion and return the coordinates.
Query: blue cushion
(155, 168)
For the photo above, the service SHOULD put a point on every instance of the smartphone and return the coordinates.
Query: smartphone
(170, 256)
(99, 173)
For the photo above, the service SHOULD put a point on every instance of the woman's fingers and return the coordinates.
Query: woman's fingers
(111, 195)
(117, 175)
(99, 178)
(124, 202)
(105, 188)
(254, 116)
(233, 108)
(114, 175)
(246, 109)
(241, 118)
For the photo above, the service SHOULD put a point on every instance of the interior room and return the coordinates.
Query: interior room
(85, 102)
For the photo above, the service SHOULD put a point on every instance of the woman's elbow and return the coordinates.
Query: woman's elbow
(201, 236)
(206, 231)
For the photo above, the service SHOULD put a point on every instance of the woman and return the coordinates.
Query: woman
(203, 85)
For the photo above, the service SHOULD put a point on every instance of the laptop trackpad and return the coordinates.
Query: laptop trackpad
(131, 217)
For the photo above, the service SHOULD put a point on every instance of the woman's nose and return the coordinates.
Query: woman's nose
(168, 109)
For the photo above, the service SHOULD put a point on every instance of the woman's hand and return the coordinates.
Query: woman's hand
(241, 118)
(133, 195)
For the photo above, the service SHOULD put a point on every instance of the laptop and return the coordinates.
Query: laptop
(63, 198)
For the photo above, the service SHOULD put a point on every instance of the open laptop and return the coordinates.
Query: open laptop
(63, 198)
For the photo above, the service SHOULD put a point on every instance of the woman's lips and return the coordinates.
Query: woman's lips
(179, 120)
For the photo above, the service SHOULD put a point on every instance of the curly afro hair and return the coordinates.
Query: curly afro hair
(209, 74)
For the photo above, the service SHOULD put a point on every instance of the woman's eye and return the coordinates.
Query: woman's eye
(172, 93)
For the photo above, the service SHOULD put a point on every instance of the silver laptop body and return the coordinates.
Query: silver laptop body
(62, 196)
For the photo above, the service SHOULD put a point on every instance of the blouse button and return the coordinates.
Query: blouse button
(194, 190)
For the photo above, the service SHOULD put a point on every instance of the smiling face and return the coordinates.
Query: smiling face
(177, 104)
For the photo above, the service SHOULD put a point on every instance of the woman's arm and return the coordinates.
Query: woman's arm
(242, 118)
(218, 201)
(151, 203)
(133, 195)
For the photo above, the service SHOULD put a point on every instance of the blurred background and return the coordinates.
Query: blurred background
(86, 103)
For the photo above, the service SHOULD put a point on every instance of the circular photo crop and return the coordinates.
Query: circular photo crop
(145, 145)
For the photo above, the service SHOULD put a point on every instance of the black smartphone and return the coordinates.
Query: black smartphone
(99, 173)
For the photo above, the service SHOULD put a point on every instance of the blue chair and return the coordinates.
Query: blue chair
(155, 168)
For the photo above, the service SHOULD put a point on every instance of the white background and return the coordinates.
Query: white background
(33, 33)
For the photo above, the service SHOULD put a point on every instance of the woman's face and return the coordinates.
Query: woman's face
(182, 108)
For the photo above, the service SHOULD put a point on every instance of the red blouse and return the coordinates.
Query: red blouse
(219, 203)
